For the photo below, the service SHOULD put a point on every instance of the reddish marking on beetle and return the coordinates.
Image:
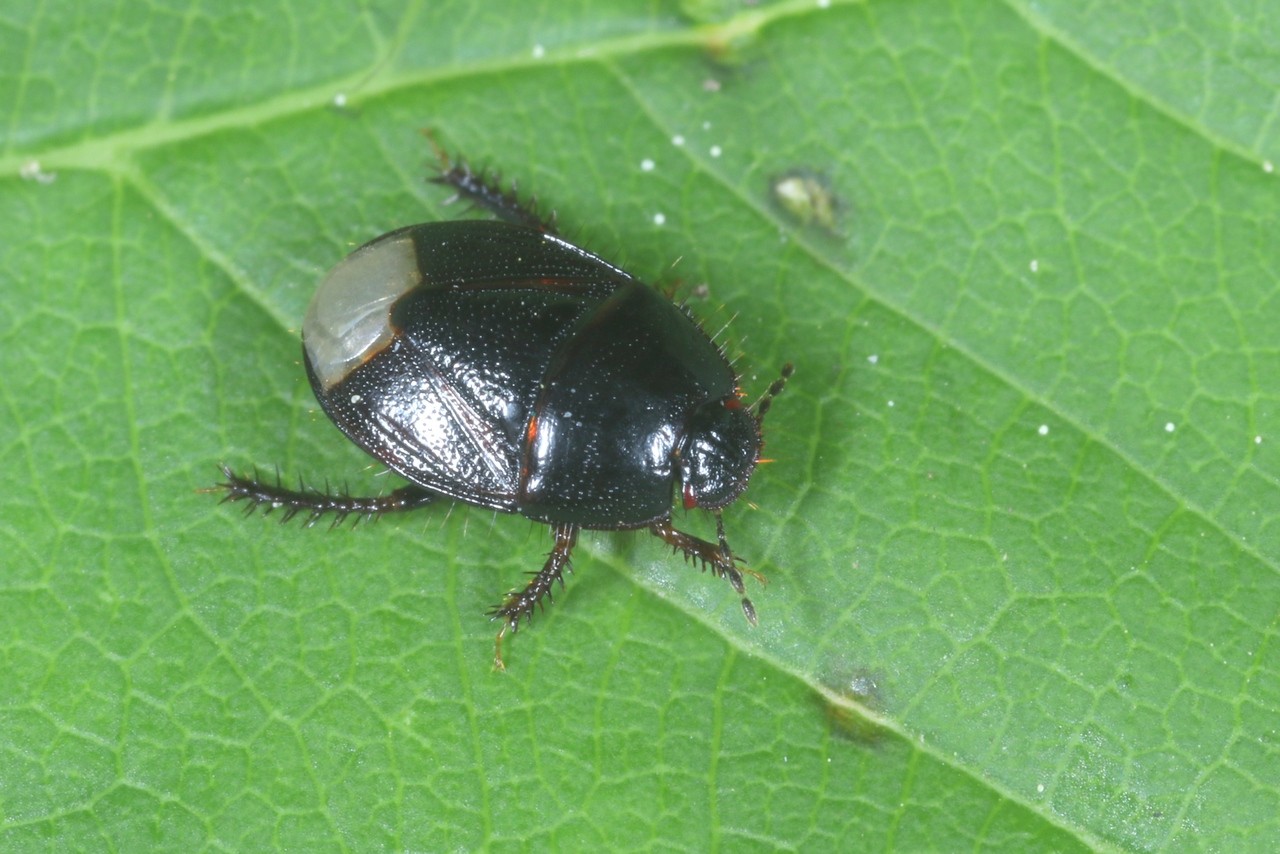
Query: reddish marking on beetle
(690, 500)
(531, 432)
(732, 403)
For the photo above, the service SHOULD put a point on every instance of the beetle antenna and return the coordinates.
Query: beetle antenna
(761, 407)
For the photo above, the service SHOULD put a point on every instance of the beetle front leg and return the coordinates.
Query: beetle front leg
(718, 557)
(519, 605)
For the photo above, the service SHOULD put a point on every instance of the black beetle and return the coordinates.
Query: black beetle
(495, 363)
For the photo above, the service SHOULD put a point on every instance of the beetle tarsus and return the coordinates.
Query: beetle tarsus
(520, 604)
(315, 503)
(498, 663)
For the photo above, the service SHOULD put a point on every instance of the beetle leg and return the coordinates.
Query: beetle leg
(519, 604)
(485, 191)
(316, 502)
(728, 555)
(718, 557)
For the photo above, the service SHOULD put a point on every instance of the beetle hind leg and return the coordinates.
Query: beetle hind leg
(717, 557)
(520, 604)
(315, 503)
(485, 191)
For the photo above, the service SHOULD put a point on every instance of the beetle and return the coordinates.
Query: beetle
(494, 363)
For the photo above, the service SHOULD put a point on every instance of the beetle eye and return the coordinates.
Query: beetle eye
(718, 454)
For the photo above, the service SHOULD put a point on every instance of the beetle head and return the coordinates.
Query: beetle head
(718, 453)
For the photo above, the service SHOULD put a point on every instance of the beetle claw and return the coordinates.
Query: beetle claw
(498, 664)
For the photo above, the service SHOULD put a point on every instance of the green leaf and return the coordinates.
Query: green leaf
(1022, 529)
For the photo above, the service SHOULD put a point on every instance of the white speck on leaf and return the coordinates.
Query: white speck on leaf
(31, 171)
